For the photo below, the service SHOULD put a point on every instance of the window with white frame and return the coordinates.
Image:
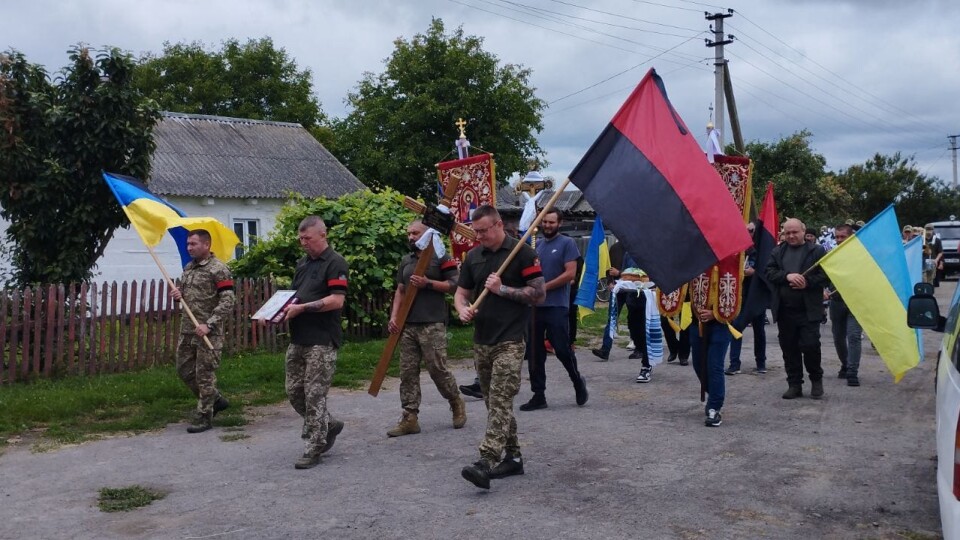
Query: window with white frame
(248, 231)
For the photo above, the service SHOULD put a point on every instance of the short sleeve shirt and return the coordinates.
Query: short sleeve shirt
(315, 279)
(430, 306)
(499, 319)
(554, 254)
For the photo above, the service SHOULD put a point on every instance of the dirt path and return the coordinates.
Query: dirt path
(635, 462)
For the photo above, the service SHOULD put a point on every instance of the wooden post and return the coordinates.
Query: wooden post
(14, 334)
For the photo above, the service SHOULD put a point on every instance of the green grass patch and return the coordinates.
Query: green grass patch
(127, 498)
(235, 436)
(73, 409)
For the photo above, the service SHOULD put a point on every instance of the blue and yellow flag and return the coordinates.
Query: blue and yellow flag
(870, 271)
(152, 217)
(595, 264)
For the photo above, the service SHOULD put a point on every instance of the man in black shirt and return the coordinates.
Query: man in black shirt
(797, 308)
(424, 333)
(315, 335)
(500, 325)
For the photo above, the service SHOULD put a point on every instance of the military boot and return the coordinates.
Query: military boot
(459, 412)
(407, 425)
(221, 404)
(202, 423)
(795, 391)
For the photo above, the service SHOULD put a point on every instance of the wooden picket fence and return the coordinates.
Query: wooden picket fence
(92, 328)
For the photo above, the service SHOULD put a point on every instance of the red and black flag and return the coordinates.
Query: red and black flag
(648, 179)
(760, 292)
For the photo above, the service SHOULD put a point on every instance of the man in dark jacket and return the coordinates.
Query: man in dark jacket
(796, 306)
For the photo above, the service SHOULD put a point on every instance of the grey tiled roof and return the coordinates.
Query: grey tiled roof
(216, 156)
(571, 202)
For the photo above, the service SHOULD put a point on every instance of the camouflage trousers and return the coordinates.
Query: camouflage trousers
(197, 367)
(310, 371)
(427, 341)
(499, 369)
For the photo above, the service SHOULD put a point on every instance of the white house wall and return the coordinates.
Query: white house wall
(127, 259)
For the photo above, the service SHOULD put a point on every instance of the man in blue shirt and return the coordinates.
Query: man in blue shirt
(558, 260)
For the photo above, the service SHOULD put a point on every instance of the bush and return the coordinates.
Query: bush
(370, 231)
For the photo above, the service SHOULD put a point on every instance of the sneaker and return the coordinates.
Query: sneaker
(631, 346)
(510, 466)
(684, 361)
(601, 354)
(731, 371)
(581, 390)
(713, 418)
(307, 461)
(760, 370)
(644, 376)
(842, 374)
(333, 429)
(477, 474)
(472, 390)
(853, 380)
(538, 401)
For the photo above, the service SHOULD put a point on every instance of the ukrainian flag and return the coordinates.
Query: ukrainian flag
(870, 271)
(595, 264)
(152, 217)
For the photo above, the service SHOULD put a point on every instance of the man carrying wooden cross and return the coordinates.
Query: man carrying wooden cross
(499, 336)
(424, 336)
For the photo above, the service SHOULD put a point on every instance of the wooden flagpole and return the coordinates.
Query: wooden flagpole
(183, 302)
(523, 239)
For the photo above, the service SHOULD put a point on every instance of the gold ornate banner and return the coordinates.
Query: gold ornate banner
(477, 187)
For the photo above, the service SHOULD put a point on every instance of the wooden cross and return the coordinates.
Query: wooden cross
(443, 223)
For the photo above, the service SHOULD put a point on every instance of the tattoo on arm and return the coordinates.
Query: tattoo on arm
(532, 294)
(315, 306)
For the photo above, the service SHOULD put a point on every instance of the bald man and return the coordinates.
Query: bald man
(797, 307)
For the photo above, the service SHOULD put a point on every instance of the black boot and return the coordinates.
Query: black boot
(538, 401)
(510, 466)
(795, 391)
(477, 474)
(202, 423)
(221, 404)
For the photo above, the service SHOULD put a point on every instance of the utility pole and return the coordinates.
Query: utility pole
(953, 149)
(719, 64)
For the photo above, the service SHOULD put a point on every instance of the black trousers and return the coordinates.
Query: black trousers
(637, 323)
(678, 343)
(800, 342)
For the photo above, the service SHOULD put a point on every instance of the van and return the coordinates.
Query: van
(949, 233)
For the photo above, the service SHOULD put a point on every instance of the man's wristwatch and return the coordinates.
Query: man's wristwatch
(503, 290)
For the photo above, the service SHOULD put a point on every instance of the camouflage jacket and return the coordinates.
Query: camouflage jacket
(207, 288)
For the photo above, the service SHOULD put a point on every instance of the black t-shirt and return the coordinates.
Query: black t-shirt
(313, 280)
(430, 306)
(499, 319)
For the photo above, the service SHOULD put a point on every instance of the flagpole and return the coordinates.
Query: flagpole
(183, 302)
(523, 239)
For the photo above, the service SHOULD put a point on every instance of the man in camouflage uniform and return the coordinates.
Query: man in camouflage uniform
(499, 336)
(315, 335)
(207, 288)
(424, 333)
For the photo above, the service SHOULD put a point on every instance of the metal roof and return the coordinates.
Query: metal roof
(217, 156)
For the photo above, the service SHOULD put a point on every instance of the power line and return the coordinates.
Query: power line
(713, 6)
(667, 6)
(821, 66)
(627, 17)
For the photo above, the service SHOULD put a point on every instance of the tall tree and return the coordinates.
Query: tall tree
(252, 80)
(402, 122)
(803, 190)
(55, 140)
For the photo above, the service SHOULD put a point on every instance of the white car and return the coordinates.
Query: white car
(924, 314)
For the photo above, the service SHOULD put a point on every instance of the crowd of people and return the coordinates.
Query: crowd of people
(519, 301)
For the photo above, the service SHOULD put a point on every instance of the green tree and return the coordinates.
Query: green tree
(402, 122)
(368, 229)
(55, 140)
(882, 180)
(252, 80)
(801, 186)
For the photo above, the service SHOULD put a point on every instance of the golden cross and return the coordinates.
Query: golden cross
(461, 123)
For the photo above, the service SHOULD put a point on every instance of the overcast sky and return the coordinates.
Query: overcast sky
(864, 76)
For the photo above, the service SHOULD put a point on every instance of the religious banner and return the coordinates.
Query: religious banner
(736, 172)
(477, 176)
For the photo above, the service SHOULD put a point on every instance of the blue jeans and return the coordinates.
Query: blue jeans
(759, 342)
(847, 336)
(717, 339)
(552, 323)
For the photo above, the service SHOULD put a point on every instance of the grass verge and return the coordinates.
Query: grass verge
(74, 409)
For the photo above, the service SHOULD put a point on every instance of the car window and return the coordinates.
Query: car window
(948, 233)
